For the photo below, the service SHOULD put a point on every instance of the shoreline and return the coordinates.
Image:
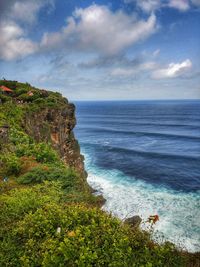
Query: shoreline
(182, 243)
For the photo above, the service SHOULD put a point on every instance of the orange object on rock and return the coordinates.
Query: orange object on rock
(153, 219)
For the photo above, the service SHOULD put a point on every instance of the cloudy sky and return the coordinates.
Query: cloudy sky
(103, 50)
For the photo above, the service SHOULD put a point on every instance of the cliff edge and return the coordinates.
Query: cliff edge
(55, 126)
(47, 117)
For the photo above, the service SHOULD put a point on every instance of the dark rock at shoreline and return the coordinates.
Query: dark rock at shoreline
(134, 221)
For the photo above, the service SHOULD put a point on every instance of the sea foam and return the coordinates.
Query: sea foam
(179, 212)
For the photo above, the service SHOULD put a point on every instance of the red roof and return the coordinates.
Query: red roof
(5, 89)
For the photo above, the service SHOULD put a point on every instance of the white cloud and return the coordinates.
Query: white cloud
(149, 65)
(149, 6)
(25, 11)
(127, 72)
(14, 41)
(98, 29)
(123, 72)
(173, 70)
(14, 44)
(181, 5)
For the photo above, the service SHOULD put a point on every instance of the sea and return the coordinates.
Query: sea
(144, 158)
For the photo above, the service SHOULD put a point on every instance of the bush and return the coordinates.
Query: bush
(39, 101)
(88, 237)
(21, 91)
(42, 152)
(35, 175)
(39, 174)
(18, 137)
(11, 164)
(4, 98)
(11, 114)
(23, 200)
(75, 235)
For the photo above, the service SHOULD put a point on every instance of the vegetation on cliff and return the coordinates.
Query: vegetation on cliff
(48, 214)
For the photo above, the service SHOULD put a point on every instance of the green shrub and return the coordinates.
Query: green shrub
(39, 101)
(88, 237)
(18, 137)
(24, 97)
(11, 164)
(23, 200)
(39, 174)
(35, 175)
(75, 235)
(21, 91)
(4, 98)
(43, 153)
(11, 114)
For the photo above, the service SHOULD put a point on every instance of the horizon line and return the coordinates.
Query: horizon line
(129, 100)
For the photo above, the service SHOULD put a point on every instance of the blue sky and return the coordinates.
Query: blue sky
(103, 50)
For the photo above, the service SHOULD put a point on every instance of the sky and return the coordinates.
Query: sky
(103, 50)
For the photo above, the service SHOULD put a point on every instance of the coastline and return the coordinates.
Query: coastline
(118, 202)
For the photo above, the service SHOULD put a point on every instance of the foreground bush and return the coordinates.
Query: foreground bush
(75, 235)
(39, 229)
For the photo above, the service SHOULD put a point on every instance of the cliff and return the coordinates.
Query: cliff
(56, 126)
(47, 117)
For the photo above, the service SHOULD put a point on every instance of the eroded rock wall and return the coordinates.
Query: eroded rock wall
(56, 126)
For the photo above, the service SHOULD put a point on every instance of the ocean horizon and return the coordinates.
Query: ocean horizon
(143, 156)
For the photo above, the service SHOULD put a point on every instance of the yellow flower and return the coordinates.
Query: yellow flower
(71, 234)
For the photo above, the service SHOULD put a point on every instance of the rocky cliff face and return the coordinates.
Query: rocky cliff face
(56, 126)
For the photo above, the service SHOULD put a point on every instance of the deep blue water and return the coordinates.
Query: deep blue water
(152, 146)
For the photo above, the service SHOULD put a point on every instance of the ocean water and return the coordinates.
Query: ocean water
(144, 157)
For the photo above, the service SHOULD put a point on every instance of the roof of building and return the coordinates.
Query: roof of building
(5, 89)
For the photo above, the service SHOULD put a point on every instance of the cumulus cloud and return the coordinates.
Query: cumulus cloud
(173, 70)
(97, 28)
(23, 10)
(13, 43)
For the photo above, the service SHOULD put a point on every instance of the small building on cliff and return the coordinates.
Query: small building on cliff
(6, 90)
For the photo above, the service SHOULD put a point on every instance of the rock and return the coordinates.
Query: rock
(55, 126)
(134, 221)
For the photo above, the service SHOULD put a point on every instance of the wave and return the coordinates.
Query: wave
(141, 133)
(133, 123)
(181, 117)
(179, 212)
(135, 152)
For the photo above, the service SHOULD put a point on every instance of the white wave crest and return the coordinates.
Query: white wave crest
(179, 212)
